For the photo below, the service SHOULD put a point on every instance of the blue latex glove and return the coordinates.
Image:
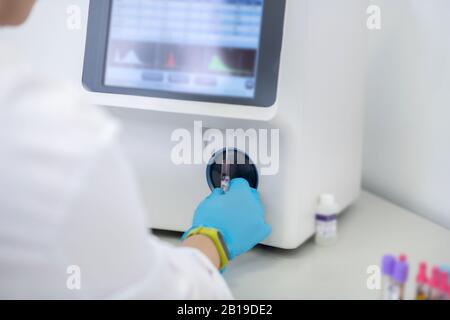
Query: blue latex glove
(238, 214)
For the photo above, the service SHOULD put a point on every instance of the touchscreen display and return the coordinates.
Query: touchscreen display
(207, 47)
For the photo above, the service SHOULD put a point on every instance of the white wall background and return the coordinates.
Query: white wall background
(47, 42)
(407, 146)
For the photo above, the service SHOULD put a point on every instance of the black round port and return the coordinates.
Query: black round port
(241, 166)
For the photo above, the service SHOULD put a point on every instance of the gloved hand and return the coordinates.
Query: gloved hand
(238, 214)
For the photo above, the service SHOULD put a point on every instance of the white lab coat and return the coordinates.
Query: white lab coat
(70, 210)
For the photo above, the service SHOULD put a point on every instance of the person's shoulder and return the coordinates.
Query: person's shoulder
(66, 103)
(59, 113)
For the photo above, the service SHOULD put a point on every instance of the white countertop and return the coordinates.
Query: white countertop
(367, 230)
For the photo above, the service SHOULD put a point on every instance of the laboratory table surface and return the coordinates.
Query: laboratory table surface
(368, 229)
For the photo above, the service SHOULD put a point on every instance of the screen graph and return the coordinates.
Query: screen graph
(206, 47)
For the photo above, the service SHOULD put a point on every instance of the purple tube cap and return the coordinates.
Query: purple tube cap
(401, 272)
(388, 264)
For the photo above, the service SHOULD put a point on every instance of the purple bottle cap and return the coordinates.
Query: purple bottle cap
(388, 265)
(401, 272)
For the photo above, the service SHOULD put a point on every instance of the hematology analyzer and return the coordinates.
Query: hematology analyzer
(286, 72)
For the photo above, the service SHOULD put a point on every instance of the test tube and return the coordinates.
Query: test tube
(225, 174)
(434, 285)
(387, 271)
(448, 291)
(443, 286)
(399, 280)
(421, 282)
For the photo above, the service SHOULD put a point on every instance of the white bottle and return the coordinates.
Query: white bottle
(326, 220)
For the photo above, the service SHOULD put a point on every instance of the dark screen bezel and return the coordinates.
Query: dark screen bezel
(267, 72)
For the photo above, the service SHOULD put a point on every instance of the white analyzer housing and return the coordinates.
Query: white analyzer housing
(317, 116)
